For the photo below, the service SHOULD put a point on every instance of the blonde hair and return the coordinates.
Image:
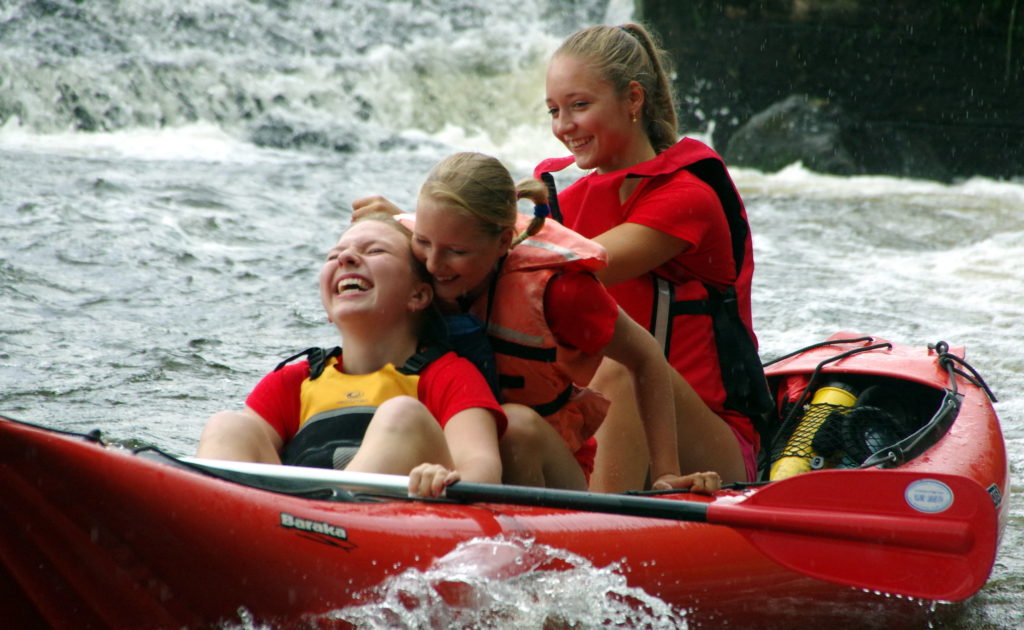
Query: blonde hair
(479, 186)
(621, 54)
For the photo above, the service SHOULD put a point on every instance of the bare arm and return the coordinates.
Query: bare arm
(635, 249)
(636, 349)
(472, 438)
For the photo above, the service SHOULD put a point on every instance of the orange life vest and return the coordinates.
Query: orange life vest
(533, 368)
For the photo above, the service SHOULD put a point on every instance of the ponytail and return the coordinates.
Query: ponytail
(536, 192)
(659, 109)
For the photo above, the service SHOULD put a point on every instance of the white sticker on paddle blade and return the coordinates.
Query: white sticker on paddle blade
(929, 495)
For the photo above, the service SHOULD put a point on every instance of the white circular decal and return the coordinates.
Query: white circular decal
(929, 495)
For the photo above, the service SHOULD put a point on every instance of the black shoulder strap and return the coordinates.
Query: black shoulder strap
(317, 358)
(713, 173)
(427, 355)
(549, 181)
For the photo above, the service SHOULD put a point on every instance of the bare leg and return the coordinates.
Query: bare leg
(240, 436)
(402, 435)
(622, 459)
(705, 440)
(534, 454)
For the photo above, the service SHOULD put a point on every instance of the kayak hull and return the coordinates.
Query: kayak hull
(98, 536)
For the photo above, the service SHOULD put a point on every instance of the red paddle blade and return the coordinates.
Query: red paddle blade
(931, 536)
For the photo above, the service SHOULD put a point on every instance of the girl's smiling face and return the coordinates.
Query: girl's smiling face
(370, 269)
(457, 252)
(590, 118)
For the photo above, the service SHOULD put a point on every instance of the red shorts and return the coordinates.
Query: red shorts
(585, 456)
(749, 455)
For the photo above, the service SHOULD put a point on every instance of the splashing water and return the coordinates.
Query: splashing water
(510, 583)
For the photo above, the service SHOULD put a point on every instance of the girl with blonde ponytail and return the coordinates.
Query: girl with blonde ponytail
(550, 322)
(679, 249)
(538, 193)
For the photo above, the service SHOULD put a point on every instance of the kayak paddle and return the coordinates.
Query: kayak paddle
(925, 535)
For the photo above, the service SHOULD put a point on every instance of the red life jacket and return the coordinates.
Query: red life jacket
(705, 330)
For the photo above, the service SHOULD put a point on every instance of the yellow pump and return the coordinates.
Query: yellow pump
(797, 455)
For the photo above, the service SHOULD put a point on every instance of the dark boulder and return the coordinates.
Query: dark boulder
(927, 89)
(827, 139)
(795, 129)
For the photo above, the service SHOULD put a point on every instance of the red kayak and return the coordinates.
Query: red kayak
(897, 496)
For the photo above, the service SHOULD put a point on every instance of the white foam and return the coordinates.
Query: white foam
(797, 179)
(200, 142)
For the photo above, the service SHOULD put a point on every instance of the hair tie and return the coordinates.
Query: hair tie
(541, 210)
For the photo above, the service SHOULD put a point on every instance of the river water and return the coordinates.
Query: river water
(172, 172)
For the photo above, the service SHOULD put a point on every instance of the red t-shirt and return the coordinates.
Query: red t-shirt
(446, 386)
(580, 311)
(685, 207)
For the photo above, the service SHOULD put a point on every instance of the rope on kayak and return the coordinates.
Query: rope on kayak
(791, 419)
(820, 344)
(879, 430)
(880, 419)
(949, 362)
(92, 436)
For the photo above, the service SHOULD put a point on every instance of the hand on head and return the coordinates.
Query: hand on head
(374, 203)
(430, 480)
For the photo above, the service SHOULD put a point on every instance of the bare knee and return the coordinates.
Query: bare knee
(226, 426)
(221, 424)
(239, 436)
(402, 414)
(526, 430)
(402, 434)
(534, 454)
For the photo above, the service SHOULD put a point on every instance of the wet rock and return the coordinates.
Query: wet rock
(795, 129)
(927, 89)
(828, 139)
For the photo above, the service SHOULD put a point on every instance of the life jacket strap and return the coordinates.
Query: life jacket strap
(746, 387)
(548, 408)
(317, 358)
(427, 355)
(544, 409)
(530, 353)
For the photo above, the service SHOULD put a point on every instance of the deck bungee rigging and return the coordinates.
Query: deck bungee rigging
(843, 431)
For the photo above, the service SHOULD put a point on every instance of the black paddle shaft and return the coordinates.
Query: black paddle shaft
(573, 500)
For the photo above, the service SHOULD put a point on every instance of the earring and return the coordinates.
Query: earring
(634, 118)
